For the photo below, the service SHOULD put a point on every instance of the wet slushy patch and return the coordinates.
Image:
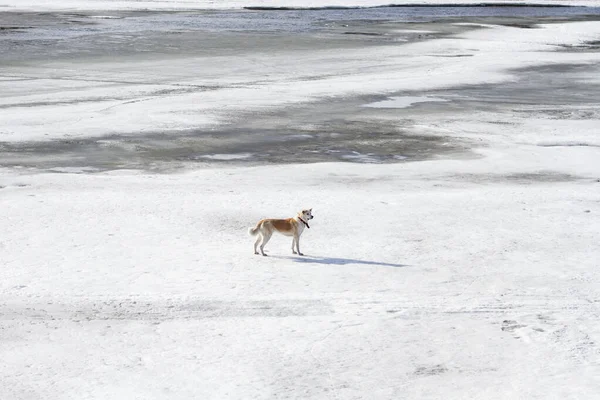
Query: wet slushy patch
(520, 178)
(360, 144)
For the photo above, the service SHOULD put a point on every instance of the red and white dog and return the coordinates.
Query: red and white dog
(288, 227)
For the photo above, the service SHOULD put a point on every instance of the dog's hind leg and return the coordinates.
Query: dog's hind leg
(258, 239)
(265, 239)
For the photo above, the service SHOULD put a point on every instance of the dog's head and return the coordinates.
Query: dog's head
(306, 214)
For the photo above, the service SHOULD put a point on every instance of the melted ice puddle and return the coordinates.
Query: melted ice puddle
(402, 102)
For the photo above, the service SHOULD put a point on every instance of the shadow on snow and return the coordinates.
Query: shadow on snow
(338, 261)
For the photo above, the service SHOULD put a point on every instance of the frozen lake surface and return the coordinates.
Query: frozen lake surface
(78, 87)
(451, 157)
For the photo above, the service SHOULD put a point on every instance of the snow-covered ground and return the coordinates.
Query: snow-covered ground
(468, 276)
(454, 279)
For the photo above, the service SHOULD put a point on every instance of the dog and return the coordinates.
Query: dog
(289, 227)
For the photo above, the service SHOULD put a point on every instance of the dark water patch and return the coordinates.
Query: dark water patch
(134, 34)
(542, 89)
(438, 10)
(520, 25)
(410, 5)
(364, 33)
(589, 46)
(12, 28)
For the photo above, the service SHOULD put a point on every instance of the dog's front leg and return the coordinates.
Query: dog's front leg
(298, 245)
(294, 244)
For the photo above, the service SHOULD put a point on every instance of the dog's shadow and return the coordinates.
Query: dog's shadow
(338, 261)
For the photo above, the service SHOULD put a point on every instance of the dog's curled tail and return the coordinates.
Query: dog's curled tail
(254, 231)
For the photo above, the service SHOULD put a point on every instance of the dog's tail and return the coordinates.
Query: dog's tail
(254, 231)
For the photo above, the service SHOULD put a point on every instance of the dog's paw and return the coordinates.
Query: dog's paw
(294, 252)
(300, 254)
(264, 255)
